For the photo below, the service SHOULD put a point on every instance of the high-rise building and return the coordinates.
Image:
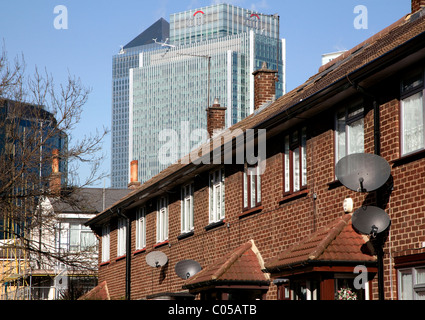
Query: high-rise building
(128, 58)
(211, 52)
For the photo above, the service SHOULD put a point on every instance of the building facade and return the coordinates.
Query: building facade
(128, 58)
(285, 234)
(211, 53)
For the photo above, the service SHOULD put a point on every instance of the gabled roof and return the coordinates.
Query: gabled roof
(88, 200)
(100, 292)
(242, 265)
(403, 38)
(337, 242)
(159, 30)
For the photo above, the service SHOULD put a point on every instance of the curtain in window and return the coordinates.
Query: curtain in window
(340, 131)
(356, 137)
(287, 169)
(412, 122)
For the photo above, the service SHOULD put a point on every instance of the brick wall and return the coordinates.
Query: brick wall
(285, 221)
(216, 118)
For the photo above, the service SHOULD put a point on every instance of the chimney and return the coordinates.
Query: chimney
(216, 118)
(264, 85)
(417, 5)
(55, 178)
(134, 183)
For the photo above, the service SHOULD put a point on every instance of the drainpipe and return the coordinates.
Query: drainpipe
(378, 243)
(128, 255)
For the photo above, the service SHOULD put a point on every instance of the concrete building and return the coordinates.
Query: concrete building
(211, 53)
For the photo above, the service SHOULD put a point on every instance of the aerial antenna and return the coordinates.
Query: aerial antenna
(164, 44)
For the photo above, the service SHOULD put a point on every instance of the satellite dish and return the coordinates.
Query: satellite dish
(156, 259)
(362, 172)
(370, 220)
(187, 268)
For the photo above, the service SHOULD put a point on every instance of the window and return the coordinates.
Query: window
(251, 186)
(121, 236)
(216, 199)
(105, 243)
(295, 161)
(162, 220)
(141, 228)
(412, 114)
(81, 238)
(411, 283)
(187, 208)
(349, 125)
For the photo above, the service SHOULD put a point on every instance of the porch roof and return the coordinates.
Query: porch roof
(241, 266)
(335, 243)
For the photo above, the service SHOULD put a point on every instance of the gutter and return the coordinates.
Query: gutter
(298, 108)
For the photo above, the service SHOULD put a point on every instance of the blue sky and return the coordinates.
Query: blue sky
(96, 29)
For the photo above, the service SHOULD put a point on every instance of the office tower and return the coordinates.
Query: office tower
(211, 53)
(128, 58)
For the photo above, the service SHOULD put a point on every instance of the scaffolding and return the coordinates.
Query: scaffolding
(13, 260)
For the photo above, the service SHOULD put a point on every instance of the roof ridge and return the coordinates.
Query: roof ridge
(369, 40)
(234, 256)
(335, 231)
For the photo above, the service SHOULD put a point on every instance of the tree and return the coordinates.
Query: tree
(37, 119)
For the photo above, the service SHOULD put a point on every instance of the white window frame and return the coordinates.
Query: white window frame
(80, 230)
(416, 286)
(162, 220)
(251, 186)
(121, 237)
(141, 228)
(295, 161)
(106, 230)
(187, 220)
(407, 91)
(216, 195)
(349, 119)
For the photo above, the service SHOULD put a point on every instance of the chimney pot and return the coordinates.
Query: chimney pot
(417, 5)
(134, 183)
(55, 179)
(216, 117)
(264, 85)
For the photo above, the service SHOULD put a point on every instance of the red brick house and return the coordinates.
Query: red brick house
(284, 234)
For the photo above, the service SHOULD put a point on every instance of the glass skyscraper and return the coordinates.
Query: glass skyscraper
(211, 53)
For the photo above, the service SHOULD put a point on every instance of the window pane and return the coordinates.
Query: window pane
(245, 189)
(253, 188)
(211, 198)
(258, 185)
(412, 83)
(412, 122)
(356, 137)
(420, 276)
(406, 285)
(304, 156)
(222, 212)
(296, 165)
(287, 183)
(340, 136)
